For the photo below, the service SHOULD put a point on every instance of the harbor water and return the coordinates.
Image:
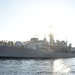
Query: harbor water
(37, 67)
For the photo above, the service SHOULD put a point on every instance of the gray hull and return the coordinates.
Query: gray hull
(14, 52)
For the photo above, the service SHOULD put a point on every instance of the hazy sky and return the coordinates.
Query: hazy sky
(24, 19)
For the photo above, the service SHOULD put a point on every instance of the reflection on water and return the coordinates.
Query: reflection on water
(60, 67)
(37, 67)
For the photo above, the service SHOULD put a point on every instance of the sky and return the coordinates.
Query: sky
(21, 20)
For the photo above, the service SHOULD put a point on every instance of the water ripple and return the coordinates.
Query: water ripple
(37, 67)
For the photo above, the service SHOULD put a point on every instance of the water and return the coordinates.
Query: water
(37, 67)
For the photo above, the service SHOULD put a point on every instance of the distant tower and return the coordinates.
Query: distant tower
(51, 39)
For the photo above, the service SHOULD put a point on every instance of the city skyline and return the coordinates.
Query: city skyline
(24, 19)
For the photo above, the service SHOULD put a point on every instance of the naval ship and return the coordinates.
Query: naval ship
(37, 49)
